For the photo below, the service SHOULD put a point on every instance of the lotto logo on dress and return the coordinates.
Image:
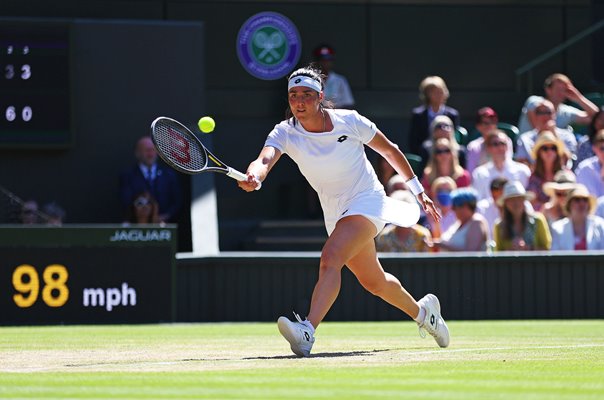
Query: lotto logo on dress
(268, 45)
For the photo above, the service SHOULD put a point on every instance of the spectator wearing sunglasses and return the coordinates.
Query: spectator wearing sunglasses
(433, 93)
(559, 89)
(545, 120)
(580, 230)
(590, 172)
(444, 161)
(476, 151)
(549, 159)
(501, 165)
(442, 127)
(144, 209)
(557, 190)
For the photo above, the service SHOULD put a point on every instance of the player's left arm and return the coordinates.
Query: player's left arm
(395, 157)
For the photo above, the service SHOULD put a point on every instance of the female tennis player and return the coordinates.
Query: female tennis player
(327, 145)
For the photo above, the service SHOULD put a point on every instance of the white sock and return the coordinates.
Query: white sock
(421, 315)
(309, 325)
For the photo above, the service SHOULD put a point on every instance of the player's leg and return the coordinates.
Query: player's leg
(349, 236)
(426, 312)
(370, 274)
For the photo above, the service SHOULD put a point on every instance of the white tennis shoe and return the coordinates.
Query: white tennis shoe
(433, 323)
(298, 334)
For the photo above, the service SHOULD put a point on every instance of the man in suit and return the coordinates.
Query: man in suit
(434, 93)
(149, 176)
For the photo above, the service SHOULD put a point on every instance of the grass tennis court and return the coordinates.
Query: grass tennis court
(486, 360)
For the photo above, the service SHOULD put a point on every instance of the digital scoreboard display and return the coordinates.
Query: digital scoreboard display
(34, 84)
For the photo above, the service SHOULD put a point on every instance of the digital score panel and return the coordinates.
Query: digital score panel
(34, 84)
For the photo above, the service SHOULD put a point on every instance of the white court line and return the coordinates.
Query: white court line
(467, 350)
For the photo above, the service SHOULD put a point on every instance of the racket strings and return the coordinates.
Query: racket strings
(179, 147)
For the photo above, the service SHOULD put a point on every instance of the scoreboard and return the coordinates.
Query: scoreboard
(35, 83)
(87, 274)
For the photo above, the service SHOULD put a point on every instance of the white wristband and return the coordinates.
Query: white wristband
(415, 186)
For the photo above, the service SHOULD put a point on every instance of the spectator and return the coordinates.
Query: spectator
(337, 90)
(143, 210)
(564, 181)
(526, 122)
(442, 128)
(600, 207)
(443, 161)
(55, 214)
(549, 156)
(581, 230)
(584, 149)
(433, 93)
(501, 165)
(559, 89)
(591, 171)
(518, 228)
(544, 121)
(147, 175)
(488, 207)
(402, 239)
(442, 188)
(476, 150)
(30, 214)
(470, 230)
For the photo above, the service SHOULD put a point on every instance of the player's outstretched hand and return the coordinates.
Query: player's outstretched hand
(252, 183)
(428, 206)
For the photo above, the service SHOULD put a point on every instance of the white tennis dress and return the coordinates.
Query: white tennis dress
(335, 165)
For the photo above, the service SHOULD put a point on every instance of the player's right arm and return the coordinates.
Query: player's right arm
(259, 168)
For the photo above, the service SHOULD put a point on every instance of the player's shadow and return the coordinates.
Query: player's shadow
(359, 353)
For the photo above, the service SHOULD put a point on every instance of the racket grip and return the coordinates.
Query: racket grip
(233, 173)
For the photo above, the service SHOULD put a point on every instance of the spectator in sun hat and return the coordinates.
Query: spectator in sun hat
(518, 228)
(433, 93)
(590, 172)
(527, 115)
(549, 157)
(476, 150)
(337, 90)
(556, 190)
(580, 230)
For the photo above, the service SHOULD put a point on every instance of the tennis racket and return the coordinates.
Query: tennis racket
(183, 151)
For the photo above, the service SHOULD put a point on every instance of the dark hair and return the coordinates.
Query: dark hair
(312, 71)
(498, 183)
(507, 223)
(591, 129)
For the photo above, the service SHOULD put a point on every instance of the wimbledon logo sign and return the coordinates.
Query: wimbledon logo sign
(268, 45)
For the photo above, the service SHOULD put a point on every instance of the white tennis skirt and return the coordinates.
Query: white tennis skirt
(375, 206)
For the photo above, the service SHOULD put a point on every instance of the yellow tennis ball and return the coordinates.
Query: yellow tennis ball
(206, 124)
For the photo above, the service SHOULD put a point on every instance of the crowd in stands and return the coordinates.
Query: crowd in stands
(538, 187)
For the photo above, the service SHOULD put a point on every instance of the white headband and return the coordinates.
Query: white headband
(306, 81)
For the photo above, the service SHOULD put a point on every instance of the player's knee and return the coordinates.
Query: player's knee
(330, 261)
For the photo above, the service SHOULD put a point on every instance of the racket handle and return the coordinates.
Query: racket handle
(233, 173)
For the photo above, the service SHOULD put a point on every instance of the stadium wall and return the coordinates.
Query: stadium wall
(261, 287)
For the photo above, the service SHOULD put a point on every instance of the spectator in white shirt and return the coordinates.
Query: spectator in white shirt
(501, 165)
(590, 172)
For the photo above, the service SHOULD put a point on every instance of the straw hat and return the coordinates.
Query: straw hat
(514, 189)
(580, 192)
(548, 137)
(563, 180)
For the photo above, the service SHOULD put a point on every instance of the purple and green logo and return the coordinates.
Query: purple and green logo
(268, 45)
